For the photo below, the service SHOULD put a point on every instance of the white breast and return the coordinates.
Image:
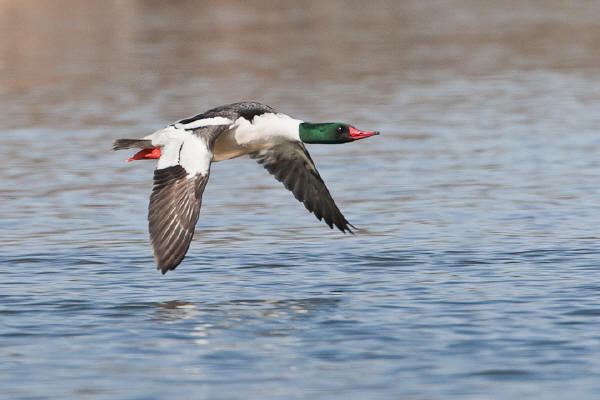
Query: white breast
(262, 132)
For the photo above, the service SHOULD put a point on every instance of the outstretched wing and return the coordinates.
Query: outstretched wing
(291, 164)
(179, 181)
(173, 212)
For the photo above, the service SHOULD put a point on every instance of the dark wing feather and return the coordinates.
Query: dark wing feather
(291, 164)
(172, 214)
(121, 144)
(245, 109)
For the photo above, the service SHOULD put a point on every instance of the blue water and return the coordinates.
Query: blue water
(475, 272)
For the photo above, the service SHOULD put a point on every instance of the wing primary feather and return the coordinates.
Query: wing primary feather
(172, 214)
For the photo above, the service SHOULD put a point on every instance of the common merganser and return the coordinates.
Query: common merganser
(186, 148)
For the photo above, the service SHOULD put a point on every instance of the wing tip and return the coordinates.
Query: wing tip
(343, 226)
(347, 227)
(165, 268)
(168, 262)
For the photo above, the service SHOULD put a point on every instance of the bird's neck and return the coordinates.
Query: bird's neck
(268, 126)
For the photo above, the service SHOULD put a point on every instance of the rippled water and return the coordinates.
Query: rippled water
(475, 274)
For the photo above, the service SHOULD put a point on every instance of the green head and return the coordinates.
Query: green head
(331, 132)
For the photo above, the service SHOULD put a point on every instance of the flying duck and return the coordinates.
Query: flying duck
(186, 148)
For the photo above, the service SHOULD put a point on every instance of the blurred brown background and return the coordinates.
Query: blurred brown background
(70, 62)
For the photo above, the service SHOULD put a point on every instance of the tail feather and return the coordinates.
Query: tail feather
(121, 144)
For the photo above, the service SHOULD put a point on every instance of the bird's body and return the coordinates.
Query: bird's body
(262, 133)
(186, 148)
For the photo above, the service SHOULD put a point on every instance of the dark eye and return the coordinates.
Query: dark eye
(340, 129)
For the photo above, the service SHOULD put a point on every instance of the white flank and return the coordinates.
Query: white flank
(204, 122)
(180, 147)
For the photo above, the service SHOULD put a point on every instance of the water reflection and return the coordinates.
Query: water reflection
(250, 319)
(478, 255)
(172, 311)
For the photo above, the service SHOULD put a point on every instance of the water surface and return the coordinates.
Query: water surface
(474, 275)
